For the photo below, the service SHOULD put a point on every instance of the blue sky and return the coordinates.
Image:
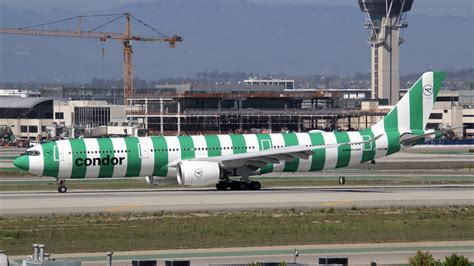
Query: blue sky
(431, 7)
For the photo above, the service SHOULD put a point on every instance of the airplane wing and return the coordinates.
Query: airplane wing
(259, 159)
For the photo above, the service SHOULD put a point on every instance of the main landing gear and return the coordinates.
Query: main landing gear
(238, 185)
(62, 185)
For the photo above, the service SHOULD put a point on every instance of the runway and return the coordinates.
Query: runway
(123, 201)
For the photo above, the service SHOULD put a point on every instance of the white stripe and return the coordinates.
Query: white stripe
(200, 146)
(427, 97)
(278, 141)
(331, 154)
(251, 141)
(174, 153)
(356, 150)
(65, 165)
(304, 139)
(92, 149)
(120, 170)
(226, 142)
(36, 163)
(148, 156)
(381, 144)
(403, 115)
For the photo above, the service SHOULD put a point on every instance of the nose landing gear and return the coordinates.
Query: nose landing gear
(62, 185)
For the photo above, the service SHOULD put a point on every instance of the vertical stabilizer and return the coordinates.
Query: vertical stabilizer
(413, 110)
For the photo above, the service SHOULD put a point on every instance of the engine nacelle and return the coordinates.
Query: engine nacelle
(196, 173)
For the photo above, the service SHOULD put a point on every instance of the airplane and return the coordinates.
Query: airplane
(230, 160)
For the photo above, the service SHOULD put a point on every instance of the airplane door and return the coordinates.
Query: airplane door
(266, 144)
(58, 153)
(144, 151)
(367, 146)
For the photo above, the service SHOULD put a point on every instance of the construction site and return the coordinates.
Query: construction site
(244, 112)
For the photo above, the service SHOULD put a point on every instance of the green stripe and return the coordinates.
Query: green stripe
(106, 148)
(368, 152)
(26, 161)
(161, 156)
(213, 145)
(187, 147)
(391, 120)
(291, 140)
(238, 142)
(319, 156)
(134, 162)
(78, 148)
(416, 105)
(344, 151)
(51, 166)
(391, 129)
(264, 143)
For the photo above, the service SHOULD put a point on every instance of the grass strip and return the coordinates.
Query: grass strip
(162, 230)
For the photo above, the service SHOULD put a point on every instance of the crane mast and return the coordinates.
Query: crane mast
(126, 38)
(127, 59)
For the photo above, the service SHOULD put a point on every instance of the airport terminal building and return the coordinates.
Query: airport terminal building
(48, 118)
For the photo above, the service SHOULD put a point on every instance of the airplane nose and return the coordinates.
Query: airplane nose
(22, 162)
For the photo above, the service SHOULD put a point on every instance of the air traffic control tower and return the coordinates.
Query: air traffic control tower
(385, 20)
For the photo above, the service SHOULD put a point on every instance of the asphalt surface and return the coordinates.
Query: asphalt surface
(359, 254)
(123, 201)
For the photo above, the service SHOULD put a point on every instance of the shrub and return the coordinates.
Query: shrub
(423, 259)
(456, 260)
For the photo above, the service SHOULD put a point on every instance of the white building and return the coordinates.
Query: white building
(43, 117)
(88, 113)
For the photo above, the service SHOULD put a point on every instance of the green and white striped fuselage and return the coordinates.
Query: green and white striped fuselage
(224, 155)
(150, 156)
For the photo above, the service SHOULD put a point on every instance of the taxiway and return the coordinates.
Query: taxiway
(123, 201)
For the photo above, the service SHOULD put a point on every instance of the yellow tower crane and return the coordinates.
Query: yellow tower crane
(126, 37)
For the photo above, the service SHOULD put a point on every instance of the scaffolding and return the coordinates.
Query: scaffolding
(195, 113)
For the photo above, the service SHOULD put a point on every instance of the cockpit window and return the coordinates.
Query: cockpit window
(32, 153)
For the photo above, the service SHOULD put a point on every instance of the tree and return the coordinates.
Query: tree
(423, 259)
(456, 260)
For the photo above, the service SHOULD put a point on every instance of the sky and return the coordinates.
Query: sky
(276, 32)
(462, 8)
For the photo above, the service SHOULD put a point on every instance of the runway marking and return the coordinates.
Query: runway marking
(123, 207)
(336, 203)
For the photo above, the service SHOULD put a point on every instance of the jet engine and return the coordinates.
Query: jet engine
(196, 173)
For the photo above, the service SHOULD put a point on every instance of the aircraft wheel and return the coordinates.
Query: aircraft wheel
(243, 186)
(255, 185)
(342, 180)
(234, 185)
(221, 186)
(62, 189)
